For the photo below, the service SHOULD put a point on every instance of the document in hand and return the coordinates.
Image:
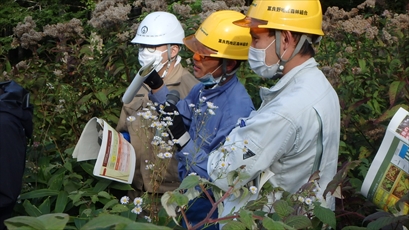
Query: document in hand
(387, 179)
(115, 155)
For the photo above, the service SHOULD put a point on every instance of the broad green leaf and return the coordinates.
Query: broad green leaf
(110, 204)
(24, 222)
(54, 221)
(270, 224)
(102, 97)
(121, 186)
(62, 200)
(101, 185)
(282, 208)
(84, 99)
(104, 194)
(234, 225)
(390, 112)
(39, 194)
(68, 166)
(385, 221)
(31, 209)
(56, 181)
(298, 222)
(180, 199)
(395, 89)
(144, 226)
(119, 208)
(362, 65)
(45, 207)
(353, 228)
(168, 204)
(189, 182)
(246, 218)
(104, 221)
(325, 215)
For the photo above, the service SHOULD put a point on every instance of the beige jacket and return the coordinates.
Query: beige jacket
(179, 79)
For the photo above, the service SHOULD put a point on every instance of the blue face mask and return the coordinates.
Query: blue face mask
(208, 78)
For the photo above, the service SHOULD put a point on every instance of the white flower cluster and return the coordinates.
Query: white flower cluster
(138, 201)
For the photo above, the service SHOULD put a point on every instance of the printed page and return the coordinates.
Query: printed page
(115, 156)
(387, 179)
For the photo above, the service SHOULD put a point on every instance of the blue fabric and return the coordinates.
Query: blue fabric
(207, 132)
(197, 211)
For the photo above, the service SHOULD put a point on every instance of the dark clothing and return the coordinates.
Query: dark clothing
(15, 127)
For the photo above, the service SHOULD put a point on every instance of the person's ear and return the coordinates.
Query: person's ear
(174, 50)
(230, 65)
(287, 39)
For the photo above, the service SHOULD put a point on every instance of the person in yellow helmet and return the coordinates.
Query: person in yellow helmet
(211, 109)
(296, 130)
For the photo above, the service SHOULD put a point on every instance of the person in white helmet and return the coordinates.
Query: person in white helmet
(159, 37)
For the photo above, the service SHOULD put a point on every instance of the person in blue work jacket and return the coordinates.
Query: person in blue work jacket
(219, 48)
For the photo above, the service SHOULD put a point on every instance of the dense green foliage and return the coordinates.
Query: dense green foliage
(76, 60)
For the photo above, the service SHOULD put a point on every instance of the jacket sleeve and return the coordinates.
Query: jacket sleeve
(255, 145)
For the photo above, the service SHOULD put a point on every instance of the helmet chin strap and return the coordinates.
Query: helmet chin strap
(297, 49)
(225, 75)
(170, 59)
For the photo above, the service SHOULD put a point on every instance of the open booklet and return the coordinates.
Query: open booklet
(387, 179)
(115, 156)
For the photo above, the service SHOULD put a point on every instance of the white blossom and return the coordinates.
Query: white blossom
(125, 200)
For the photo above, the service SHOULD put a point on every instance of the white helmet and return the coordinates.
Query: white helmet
(159, 28)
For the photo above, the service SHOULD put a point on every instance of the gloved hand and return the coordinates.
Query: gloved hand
(154, 81)
(178, 129)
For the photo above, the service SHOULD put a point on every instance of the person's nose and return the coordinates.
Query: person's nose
(197, 57)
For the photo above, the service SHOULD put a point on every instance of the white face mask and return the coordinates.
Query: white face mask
(208, 78)
(145, 57)
(257, 61)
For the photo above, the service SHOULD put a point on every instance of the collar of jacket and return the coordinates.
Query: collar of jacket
(268, 93)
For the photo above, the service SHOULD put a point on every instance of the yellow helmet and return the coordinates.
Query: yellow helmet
(218, 37)
(303, 16)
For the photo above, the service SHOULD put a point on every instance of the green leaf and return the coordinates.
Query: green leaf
(110, 203)
(246, 218)
(144, 226)
(39, 194)
(189, 182)
(118, 208)
(61, 203)
(270, 224)
(104, 221)
(325, 215)
(362, 65)
(353, 228)
(68, 166)
(282, 208)
(102, 97)
(234, 225)
(390, 112)
(45, 206)
(19, 222)
(54, 221)
(298, 222)
(56, 181)
(180, 199)
(31, 209)
(104, 194)
(101, 185)
(121, 186)
(395, 89)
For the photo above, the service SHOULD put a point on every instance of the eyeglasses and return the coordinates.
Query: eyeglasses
(150, 49)
(201, 57)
